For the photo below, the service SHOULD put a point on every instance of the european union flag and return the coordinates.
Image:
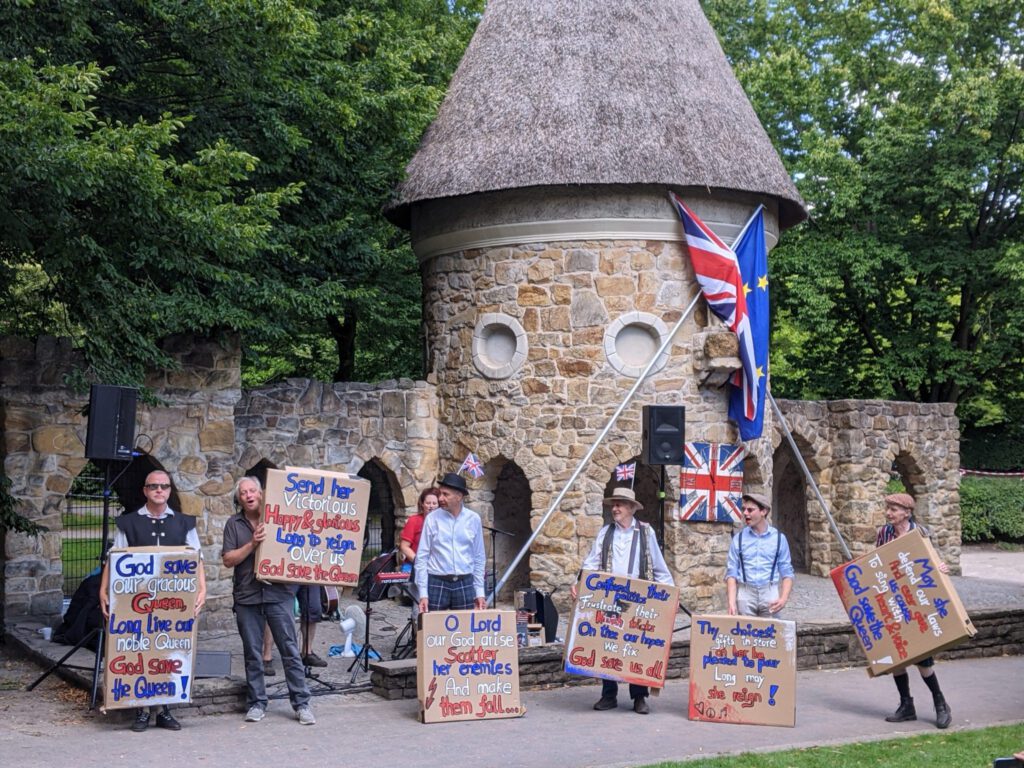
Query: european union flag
(752, 255)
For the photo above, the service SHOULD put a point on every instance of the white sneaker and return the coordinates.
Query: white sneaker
(305, 715)
(255, 714)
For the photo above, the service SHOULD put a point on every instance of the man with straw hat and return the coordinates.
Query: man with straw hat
(627, 548)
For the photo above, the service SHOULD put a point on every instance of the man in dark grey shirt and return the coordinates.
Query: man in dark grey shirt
(259, 604)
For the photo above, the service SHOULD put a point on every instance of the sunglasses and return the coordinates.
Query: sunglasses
(158, 486)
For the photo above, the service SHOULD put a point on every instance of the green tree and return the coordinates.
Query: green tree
(902, 122)
(292, 119)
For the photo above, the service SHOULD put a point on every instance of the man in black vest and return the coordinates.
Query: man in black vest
(628, 548)
(154, 525)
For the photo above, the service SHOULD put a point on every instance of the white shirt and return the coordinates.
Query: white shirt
(622, 545)
(451, 545)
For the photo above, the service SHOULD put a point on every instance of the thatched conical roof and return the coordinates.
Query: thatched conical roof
(556, 92)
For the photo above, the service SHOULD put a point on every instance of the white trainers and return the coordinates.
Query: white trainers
(255, 714)
(305, 715)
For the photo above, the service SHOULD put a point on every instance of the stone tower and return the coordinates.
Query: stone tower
(553, 265)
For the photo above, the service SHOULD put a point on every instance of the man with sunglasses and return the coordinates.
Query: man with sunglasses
(155, 524)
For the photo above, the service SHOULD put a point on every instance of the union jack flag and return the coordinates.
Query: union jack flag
(718, 273)
(711, 483)
(473, 466)
(625, 472)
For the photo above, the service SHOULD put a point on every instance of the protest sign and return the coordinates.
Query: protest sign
(151, 632)
(903, 608)
(621, 629)
(743, 670)
(315, 522)
(467, 666)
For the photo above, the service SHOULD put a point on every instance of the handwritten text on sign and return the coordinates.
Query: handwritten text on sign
(315, 525)
(743, 670)
(621, 629)
(902, 607)
(467, 666)
(150, 636)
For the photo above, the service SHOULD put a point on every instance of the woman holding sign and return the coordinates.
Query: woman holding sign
(899, 514)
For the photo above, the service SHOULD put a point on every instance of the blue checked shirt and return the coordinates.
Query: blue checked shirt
(758, 556)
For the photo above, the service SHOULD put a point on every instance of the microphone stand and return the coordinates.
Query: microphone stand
(494, 570)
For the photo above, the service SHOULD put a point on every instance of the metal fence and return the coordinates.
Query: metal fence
(82, 519)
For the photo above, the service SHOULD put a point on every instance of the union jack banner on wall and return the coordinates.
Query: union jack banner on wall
(711, 483)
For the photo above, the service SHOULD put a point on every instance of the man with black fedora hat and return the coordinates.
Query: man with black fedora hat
(627, 548)
(759, 571)
(450, 559)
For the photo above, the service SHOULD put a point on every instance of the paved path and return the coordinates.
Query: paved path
(559, 730)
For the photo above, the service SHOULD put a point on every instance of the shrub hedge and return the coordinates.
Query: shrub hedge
(992, 509)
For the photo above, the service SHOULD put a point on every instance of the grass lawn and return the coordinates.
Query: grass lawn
(958, 749)
(79, 557)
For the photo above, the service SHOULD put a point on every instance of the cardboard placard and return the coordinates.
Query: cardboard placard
(902, 607)
(151, 633)
(621, 629)
(467, 666)
(315, 523)
(743, 670)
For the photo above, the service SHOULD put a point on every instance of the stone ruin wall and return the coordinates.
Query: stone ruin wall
(853, 448)
(207, 432)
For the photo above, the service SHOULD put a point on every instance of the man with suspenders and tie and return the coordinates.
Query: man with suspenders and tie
(759, 574)
(629, 548)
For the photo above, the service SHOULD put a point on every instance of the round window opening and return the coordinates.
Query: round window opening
(636, 344)
(499, 346)
(631, 342)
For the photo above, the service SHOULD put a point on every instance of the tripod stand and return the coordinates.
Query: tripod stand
(99, 633)
(367, 649)
(494, 570)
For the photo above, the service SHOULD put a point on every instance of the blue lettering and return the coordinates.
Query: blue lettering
(180, 566)
(304, 486)
(128, 566)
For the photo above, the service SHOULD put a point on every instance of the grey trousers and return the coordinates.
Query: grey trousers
(753, 601)
(278, 616)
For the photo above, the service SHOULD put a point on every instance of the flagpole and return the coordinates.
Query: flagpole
(807, 473)
(593, 448)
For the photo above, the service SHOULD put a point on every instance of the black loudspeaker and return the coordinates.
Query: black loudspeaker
(111, 434)
(664, 435)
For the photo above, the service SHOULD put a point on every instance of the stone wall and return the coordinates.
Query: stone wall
(191, 434)
(853, 448)
(530, 431)
(206, 432)
(819, 646)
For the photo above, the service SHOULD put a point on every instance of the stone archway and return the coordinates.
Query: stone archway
(789, 505)
(511, 507)
(380, 517)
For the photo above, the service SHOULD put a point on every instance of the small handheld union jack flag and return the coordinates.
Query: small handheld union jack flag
(625, 472)
(473, 466)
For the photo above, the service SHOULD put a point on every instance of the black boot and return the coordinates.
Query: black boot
(943, 717)
(905, 711)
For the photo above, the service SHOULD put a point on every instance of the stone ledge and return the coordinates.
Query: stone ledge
(824, 645)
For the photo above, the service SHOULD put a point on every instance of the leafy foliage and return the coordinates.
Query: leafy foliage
(902, 123)
(992, 508)
(215, 164)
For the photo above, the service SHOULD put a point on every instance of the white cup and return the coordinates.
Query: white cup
(47, 633)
